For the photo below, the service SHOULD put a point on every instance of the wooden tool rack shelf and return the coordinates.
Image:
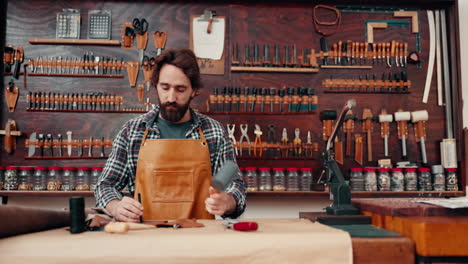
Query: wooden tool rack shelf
(46, 41)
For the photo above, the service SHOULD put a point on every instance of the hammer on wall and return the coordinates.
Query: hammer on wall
(402, 118)
(419, 119)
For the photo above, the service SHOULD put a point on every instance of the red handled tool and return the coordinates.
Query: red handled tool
(240, 226)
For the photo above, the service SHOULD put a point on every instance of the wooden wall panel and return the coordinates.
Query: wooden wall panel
(264, 22)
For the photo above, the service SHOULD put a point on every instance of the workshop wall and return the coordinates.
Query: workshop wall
(267, 22)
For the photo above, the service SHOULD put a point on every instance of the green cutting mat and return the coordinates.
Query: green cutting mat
(365, 231)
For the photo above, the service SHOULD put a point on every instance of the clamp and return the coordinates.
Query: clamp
(258, 141)
(271, 139)
(244, 128)
(231, 128)
(297, 143)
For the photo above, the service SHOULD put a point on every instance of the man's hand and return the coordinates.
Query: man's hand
(125, 210)
(220, 203)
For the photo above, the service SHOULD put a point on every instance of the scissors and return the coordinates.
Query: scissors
(140, 25)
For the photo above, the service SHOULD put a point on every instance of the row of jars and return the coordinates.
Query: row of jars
(277, 179)
(435, 178)
(41, 178)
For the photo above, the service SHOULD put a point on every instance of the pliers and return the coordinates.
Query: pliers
(244, 128)
(258, 141)
(271, 140)
(284, 142)
(297, 143)
(231, 128)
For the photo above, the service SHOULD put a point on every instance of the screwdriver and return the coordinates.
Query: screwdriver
(263, 92)
(229, 98)
(237, 91)
(300, 93)
(246, 94)
(214, 99)
(272, 93)
(281, 94)
(310, 92)
(254, 94)
(223, 94)
(290, 91)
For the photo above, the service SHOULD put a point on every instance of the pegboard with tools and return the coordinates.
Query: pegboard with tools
(290, 66)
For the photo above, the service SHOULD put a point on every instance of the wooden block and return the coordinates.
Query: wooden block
(437, 235)
(390, 250)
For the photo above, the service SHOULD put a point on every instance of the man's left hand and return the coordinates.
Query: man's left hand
(220, 203)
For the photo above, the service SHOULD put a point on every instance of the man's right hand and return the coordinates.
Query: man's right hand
(125, 210)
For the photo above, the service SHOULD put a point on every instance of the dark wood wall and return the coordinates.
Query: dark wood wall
(269, 22)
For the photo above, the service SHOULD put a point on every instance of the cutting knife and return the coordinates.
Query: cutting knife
(32, 144)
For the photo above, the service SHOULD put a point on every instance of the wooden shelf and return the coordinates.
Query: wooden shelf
(120, 76)
(384, 194)
(345, 67)
(89, 111)
(244, 150)
(259, 113)
(273, 69)
(75, 42)
(63, 158)
(431, 194)
(366, 92)
(46, 193)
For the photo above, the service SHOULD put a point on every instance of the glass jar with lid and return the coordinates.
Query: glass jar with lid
(11, 178)
(370, 179)
(411, 179)
(383, 179)
(424, 179)
(2, 177)
(68, 179)
(279, 179)
(25, 182)
(292, 179)
(305, 179)
(40, 178)
(251, 179)
(264, 179)
(54, 179)
(242, 173)
(452, 179)
(438, 175)
(94, 177)
(357, 179)
(82, 179)
(398, 180)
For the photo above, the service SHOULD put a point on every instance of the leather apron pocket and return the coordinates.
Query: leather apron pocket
(172, 186)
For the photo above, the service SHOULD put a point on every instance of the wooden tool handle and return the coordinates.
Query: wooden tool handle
(369, 145)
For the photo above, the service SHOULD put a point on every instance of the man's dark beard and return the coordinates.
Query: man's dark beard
(173, 115)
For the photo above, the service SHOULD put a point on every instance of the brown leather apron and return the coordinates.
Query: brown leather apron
(173, 177)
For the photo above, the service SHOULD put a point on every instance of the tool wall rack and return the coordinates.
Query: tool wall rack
(118, 76)
(259, 113)
(264, 21)
(44, 146)
(273, 69)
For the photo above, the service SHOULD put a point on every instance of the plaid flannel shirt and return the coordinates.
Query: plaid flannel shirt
(120, 168)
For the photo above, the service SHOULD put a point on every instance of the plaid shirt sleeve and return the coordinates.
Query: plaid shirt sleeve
(221, 154)
(115, 174)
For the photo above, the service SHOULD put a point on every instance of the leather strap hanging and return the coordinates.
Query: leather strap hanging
(318, 23)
